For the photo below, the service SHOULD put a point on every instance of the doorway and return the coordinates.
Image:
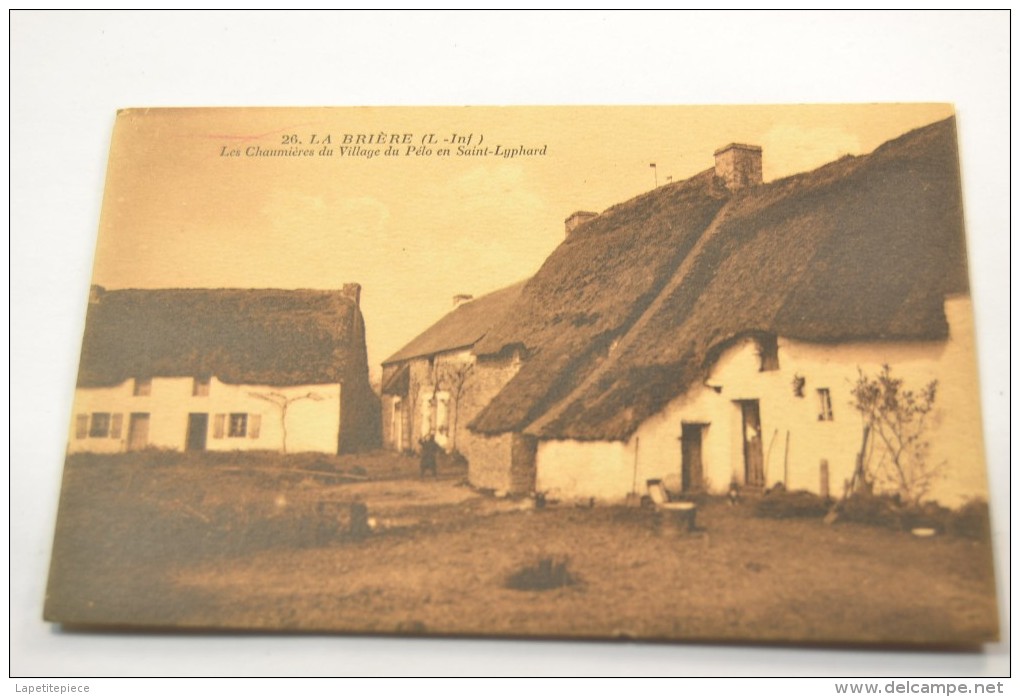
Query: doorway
(691, 468)
(754, 471)
(138, 431)
(198, 430)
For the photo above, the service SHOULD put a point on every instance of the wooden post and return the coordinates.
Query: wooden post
(823, 475)
(359, 527)
(857, 482)
(786, 463)
(633, 484)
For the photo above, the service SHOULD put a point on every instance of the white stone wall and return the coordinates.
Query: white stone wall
(312, 425)
(573, 470)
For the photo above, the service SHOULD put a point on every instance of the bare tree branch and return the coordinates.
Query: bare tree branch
(899, 417)
(282, 402)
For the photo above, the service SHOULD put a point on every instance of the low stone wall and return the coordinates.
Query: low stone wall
(489, 460)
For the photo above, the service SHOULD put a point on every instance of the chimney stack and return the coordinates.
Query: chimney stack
(96, 293)
(738, 165)
(353, 291)
(462, 298)
(577, 219)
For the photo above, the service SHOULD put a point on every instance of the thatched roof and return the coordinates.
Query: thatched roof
(865, 248)
(268, 337)
(462, 327)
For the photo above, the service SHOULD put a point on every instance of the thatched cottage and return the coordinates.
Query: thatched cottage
(710, 332)
(225, 369)
(431, 385)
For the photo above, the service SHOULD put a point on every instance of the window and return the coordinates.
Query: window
(200, 387)
(238, 426)
(100, 425)
(81, 426)
(824, 405)
(442, 407)
(143, 387)
(768, 351)
(798, 385)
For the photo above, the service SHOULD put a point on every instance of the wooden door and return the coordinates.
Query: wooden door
(198, 431)
(754, 472)
(691, 469)
(138, 431)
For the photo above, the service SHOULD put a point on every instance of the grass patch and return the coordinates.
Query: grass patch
(213, 543)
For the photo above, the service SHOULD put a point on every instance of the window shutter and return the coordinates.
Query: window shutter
(81, 426)
(116, 423)
(254, 425)
(824, 404)
(218, 423)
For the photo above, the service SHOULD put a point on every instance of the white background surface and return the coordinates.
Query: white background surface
(71, 71)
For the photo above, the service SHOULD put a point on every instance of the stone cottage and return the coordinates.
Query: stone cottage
(433, 385)
(710, 332)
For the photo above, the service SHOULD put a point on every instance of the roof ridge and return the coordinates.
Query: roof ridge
(631, 333)
(421, 346)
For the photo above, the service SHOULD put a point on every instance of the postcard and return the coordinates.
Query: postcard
(691, 373)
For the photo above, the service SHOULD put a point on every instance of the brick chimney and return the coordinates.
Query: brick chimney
(576, 219)
(738, 165)
(353, 291)
(462, 298)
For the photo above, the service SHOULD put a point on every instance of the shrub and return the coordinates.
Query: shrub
(546, 574)
(879, 510)
(791, 504)
(971, 520)
(928, 515)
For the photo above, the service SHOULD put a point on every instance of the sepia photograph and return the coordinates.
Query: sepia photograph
(663, 373)
(477, 343)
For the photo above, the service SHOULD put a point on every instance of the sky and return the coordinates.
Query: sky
(416, 229)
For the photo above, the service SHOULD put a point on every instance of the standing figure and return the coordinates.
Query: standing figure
(429, 450)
